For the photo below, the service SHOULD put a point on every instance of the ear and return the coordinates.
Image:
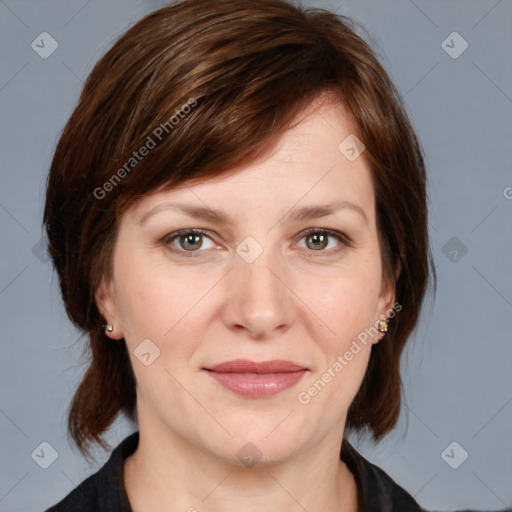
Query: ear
(386, 303)
(105, 301)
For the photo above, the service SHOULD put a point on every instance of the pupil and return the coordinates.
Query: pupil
(192, 240)
(318, 240)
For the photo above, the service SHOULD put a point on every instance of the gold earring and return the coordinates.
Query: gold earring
(383, 326)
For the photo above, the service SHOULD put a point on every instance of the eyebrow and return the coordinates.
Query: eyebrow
(294, 215)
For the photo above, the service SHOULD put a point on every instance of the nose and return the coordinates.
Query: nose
(258, 299)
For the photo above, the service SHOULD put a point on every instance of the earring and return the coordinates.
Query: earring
(383, 326)
(109, 328)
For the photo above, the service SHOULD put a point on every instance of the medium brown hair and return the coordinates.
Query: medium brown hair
(225, 79)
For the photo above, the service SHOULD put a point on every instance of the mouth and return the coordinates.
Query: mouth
(257, 380)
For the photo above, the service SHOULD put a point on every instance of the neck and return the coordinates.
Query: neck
(167, 474)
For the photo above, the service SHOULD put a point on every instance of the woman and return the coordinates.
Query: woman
(237, 213)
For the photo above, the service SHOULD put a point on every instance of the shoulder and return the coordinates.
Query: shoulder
(388, 494)
(104, 490)
(81, 499)
(377, 490)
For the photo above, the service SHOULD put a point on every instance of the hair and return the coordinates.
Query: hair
(207, 87)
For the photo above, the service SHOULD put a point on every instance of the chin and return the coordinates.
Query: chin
(265, 442)
(245, 453)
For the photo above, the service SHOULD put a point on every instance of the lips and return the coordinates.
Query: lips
(245, 366)
(257, 379)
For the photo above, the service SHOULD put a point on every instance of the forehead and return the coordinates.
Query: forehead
(308, 165)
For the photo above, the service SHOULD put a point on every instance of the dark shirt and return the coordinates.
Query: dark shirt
(104, 491)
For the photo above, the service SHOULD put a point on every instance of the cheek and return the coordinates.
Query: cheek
(160, 303)
(142, 298)
(343, 337)
(345, 302)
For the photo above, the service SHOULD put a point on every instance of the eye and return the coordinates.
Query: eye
(187, 241)
(317, 240)
(191, 242)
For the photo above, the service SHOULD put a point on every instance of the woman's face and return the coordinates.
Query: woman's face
(287, 272)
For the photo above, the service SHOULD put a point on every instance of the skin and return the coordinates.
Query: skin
(300, 300)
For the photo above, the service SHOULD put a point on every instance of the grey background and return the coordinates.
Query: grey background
(457, 368)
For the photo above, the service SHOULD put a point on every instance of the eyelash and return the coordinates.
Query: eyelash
(341, 237)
